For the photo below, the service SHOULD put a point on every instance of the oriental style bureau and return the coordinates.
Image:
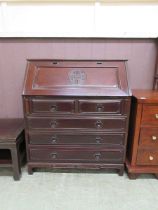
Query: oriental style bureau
(76, 114)
(142, 155)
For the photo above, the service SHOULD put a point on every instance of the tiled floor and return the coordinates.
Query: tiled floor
(54, 190)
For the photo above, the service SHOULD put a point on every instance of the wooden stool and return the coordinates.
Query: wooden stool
(12, 145)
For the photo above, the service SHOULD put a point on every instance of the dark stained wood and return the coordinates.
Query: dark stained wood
(82, 154)
(12, 145)
(49, 106)
(76, 114)
(99, 123)
(76, 138)
(87, 78)
(142, 150)
(10, 129)
(102, 106)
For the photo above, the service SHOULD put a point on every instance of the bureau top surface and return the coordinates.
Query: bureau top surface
(76, 78)
(145, 96)
(10, 128)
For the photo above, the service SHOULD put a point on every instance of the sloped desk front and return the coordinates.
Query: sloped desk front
(76, 114)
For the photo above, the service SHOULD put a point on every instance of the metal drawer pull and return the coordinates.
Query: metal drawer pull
(151, 157)
(156, 116)
(100, 107)
(98, 140)
(53, 124)
(54, 139)
(98, 124)
(154, 138)
(53, 108)
(97, 156)
(53, 155)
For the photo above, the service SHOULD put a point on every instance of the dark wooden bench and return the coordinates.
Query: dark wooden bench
(12, 145)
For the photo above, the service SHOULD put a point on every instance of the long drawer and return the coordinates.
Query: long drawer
(83, 154)
(50, 138)
(102, 123)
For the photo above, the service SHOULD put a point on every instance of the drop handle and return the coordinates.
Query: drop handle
(156, 116)
(100, 107)
(53, 155)
(151, 158)
(154, 138)
(53, 124)
(53, 108)
(54, 139)
(98, 124)
(98, 140)
(97, 156)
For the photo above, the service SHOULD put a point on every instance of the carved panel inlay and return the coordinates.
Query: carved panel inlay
(77, 77)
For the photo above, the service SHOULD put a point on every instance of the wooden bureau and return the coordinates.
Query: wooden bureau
(142, 155)
(76, 114)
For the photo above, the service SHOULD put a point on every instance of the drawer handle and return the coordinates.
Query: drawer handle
(98, 140)
(156, 116)
(151, 157)
(97, 156)
(53, 108)
(154, 138)
(98, 124)
(54, 139)
(53, 124)
(100, 107)
(53, 155)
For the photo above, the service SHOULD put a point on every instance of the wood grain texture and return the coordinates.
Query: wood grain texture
(74, 113)
(143, 147)
(140, 53)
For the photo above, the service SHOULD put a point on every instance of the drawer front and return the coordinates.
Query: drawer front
(76, 155)
(52, 106)
(147, 157)
(76, 139)
(150, 115)
(102, 106)
(149, 136)
(117, 124)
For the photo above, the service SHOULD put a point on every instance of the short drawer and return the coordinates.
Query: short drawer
(150, 115)
(76, 155)
(52, 106)
(114, 124)
(76, 139)
(149, 137)
(102, 106)
(147, 157)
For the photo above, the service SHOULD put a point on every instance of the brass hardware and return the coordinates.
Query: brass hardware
(151, 157)
(156, 116)
(154, 138)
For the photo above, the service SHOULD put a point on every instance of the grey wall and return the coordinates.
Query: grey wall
(141, 55)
